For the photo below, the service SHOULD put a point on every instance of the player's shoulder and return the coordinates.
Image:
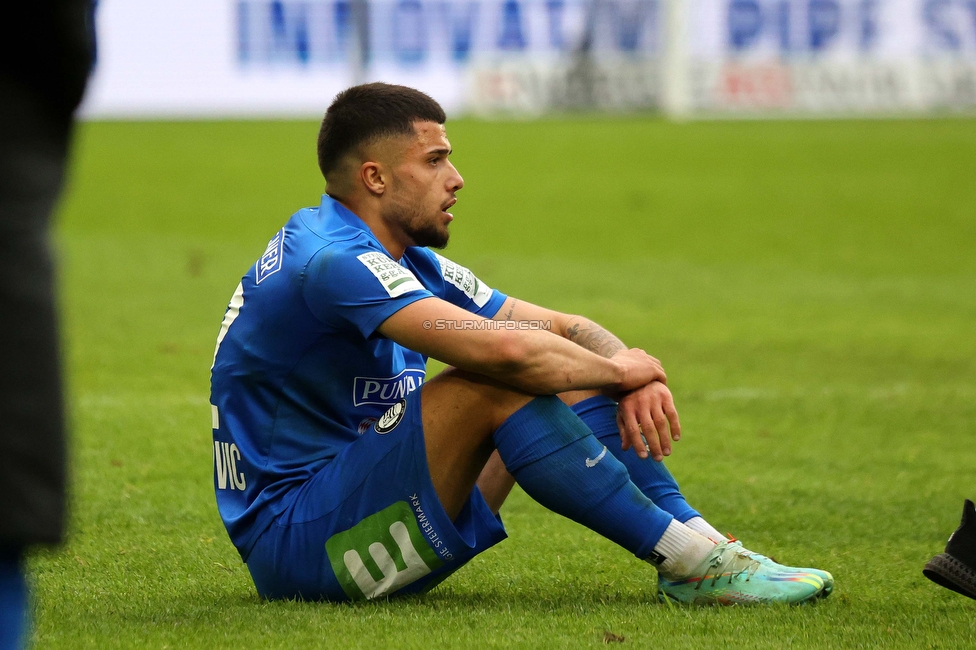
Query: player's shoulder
(358, 266)
(356, 250)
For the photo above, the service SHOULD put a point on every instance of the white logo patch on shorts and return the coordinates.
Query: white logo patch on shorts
(465, 280)
(392, 417)
(395, 279)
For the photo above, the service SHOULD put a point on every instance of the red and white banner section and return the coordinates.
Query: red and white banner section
(822, 57)
(594, 54)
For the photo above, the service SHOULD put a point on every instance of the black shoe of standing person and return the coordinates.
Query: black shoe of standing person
(956, 568)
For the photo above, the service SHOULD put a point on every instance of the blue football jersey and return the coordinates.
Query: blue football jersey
(299, 370)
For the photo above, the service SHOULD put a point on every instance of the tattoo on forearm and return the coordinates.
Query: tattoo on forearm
(511, 309)
(591, 336)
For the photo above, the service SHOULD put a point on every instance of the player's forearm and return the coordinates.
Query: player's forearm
(590, 336)
(540, 363)
(581, 331)
(534, 360)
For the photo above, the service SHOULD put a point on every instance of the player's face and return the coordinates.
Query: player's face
(423, 188)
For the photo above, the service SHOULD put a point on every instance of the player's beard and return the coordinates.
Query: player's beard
(426, 232)
(424, 229)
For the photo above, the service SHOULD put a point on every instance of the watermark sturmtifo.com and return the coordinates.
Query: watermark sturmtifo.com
(482, 324)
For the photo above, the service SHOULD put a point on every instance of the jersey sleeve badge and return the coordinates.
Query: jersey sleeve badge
(396, 279)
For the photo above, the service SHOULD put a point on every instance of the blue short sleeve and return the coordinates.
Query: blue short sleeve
(358, 286)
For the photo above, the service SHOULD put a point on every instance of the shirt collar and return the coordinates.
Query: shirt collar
(335, 216)
(332, 209)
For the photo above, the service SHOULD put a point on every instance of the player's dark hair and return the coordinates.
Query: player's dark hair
(370, 111)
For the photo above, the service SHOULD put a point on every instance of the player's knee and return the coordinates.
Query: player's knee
(483, 396)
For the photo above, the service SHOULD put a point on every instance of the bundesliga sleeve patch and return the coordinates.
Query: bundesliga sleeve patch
(394, 278)
(465, 280)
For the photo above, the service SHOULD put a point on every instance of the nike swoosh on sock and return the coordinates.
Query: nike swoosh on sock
(592, 463)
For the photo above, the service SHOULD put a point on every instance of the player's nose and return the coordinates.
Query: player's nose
(455, 182)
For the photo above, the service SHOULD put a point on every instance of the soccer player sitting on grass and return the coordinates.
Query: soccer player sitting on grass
(342, 474)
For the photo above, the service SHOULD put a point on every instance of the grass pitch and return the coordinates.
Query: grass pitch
(810, 287)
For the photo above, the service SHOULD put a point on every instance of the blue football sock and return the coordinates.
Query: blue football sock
(652, 478)
(13, 600)
(556, 459)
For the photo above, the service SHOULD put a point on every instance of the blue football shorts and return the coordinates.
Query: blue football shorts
(369, 524)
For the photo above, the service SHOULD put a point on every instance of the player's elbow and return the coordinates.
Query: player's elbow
(509, 353)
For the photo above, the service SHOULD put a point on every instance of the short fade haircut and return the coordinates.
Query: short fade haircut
(368, 112)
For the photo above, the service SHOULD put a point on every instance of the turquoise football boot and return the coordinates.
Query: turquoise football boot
(826, 576)
(729, 575)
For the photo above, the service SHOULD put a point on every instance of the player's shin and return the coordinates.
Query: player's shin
(652, 478)
(555, 458)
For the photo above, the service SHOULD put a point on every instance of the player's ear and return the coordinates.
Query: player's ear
(373, 177)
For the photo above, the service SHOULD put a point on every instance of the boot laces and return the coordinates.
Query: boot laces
(730, 562)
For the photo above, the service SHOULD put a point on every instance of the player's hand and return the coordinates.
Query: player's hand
(649, 409)
(638, 369)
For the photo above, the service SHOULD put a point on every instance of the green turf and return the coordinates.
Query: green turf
(810, 287)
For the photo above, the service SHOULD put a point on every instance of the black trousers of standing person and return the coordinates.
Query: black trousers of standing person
(32, 446)
(32, 441)
(46, 51)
